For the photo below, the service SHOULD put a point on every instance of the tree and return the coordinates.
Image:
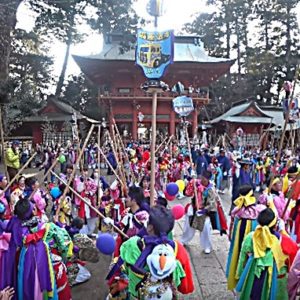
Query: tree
(82, 94)
(8, 10)
(29, 77)
(60, 20)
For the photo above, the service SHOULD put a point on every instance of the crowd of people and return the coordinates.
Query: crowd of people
(49, 230)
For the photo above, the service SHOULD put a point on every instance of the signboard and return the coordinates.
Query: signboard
(183, 105)
(154, 52)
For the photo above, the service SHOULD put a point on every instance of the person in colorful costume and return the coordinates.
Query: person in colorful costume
(134, 218)
(211, 209)
(241, 175)
(291, 188)
(157, 268)
(277, 197)
(5, 197)
(294, 278)
(243, 221)
(88, 190)
(52, 246)
(264, 260)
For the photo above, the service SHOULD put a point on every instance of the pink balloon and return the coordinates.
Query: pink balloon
(169, 198)
(178, 211)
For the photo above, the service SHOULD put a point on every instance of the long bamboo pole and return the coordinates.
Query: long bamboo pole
(99, 157)
(20, 171)
(89, 205)
(192, 165)
(123, 148)
(285, 125)
(74, 169)
(153, 144)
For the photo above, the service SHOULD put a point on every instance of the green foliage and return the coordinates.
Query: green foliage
(265, 58)
(82, 94)
(29, 77)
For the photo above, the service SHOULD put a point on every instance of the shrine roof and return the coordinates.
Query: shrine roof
(186, 49)
(63, 113)
(268, 115)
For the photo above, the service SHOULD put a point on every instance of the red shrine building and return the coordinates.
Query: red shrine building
(119, 79)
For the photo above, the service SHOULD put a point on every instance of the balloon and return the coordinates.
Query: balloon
(62, 159)
(172, 189)
(106, 243)
(169, 197)
(178, 211)
(55, 192)
(181, 185)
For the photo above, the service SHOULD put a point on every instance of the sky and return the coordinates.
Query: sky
(178, 13)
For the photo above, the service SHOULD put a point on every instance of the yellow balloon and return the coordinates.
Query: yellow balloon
(181, 185)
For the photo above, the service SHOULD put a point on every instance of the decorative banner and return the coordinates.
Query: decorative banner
(183, 105)
(154, 52)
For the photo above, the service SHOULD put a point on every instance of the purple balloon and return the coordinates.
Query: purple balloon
(172, 189)
(106, 244)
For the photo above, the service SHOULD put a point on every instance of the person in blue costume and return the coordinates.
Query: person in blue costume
(201, 163)
(241, 175)
(225, 166)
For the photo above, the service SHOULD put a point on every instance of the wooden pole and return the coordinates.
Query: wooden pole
(99, 157)
(153, 143)
(20, 171)
(192, 165)
(89, 205)
(74, 169)
(123, 148)
(284, 127)
(2, 144)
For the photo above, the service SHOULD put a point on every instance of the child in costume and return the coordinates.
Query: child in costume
(264, 259)
(157, 268)
(243, 221)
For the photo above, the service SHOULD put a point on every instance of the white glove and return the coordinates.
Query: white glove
(225, 173)
(281, 225)
(108, 221)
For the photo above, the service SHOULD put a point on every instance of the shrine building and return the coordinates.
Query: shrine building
(119, 79)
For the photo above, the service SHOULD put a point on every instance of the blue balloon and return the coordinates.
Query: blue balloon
(55, 192)
(106, 244)
(172, 189)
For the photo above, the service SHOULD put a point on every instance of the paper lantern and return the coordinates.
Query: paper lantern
(178, 211)
(169, 197)
(181, 185)
(106, 243)
(172, 189)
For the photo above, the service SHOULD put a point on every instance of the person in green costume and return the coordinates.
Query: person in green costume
(157, 268)
(262, 267)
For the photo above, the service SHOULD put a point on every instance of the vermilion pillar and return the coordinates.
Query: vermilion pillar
(172, 123)
(134, 122)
